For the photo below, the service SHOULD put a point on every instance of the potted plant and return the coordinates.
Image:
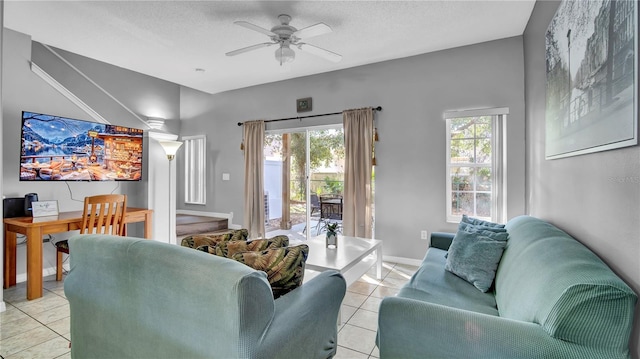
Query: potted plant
(332, 235)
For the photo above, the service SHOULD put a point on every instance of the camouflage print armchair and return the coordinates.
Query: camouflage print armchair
(228, 248)
(283, 265)
(198, 240)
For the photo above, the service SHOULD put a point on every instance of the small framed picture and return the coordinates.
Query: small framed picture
(45, 208)
(303, 104)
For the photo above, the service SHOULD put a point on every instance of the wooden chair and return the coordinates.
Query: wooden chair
(102, 214)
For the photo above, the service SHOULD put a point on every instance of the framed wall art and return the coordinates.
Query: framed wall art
(592, 77)
(303, 104)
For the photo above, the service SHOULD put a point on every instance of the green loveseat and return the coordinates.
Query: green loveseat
(552, 298)
(136, 298)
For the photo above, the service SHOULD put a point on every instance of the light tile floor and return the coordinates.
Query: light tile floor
(40, 328)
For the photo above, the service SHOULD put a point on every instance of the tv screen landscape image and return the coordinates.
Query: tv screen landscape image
(55, 148)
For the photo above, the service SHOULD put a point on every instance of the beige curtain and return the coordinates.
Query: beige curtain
(254, 178)
(358, 141)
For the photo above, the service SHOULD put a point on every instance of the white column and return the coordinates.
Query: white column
(172, 200)
(162, 189)
(3, 306)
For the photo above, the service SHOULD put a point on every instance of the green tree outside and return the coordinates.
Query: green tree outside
(471, 165)
(326, 146)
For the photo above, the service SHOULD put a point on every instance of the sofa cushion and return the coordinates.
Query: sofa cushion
(229, 248)
(431, 283)
(474, 256)
(284, 266)
(547, 277)
(198, 240)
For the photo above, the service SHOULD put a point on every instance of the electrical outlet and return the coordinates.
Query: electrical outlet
(424, 234)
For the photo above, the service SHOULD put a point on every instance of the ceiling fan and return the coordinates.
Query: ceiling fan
(286, 36)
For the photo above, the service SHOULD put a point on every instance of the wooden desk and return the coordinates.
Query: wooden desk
(34, 229)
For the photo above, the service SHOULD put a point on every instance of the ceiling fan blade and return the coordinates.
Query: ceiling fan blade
(250, 48)
(253, 27)
(318, 51)
(313, 30)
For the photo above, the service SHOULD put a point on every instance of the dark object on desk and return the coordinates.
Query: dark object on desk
(28, 199)
(13, 207)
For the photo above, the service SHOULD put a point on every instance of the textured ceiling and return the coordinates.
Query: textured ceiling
(171, 39)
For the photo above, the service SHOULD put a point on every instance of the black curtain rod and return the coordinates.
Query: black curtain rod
(379, 108)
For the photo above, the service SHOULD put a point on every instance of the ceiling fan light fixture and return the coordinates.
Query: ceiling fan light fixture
(284, 54)
(284, 36)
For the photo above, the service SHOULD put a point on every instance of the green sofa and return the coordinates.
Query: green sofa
(552, 298)
(136, 298)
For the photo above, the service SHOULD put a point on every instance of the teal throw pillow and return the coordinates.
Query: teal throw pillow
(474, 256)
(474, 227)
(480, 222)
(464, 226)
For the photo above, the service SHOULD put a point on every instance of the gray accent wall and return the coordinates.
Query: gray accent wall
(414, 93)
(593, 197)
(24, 90)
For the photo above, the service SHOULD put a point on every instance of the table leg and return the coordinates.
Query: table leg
(34, 263)
(9, 259)
(148, 225)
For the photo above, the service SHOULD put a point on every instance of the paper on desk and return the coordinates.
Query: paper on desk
(44, 219)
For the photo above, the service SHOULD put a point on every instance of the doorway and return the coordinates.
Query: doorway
(301, 168)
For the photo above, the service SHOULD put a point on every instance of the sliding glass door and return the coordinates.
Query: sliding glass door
(302, 168)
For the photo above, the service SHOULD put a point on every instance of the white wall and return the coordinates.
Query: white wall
(414, 92)
(594, 197)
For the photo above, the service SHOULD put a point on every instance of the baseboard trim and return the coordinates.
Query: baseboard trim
(22, 277)
(402, 260)
(204, 214)
(3, 307)
(228, 216)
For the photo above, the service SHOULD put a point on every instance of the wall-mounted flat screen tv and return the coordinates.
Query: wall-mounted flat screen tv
(55, 148)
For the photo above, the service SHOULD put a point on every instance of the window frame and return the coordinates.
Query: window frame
(497, 165)
(195, 169)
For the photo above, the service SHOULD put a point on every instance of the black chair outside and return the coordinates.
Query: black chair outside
(330, 212)
(315, 211)
(315, 204)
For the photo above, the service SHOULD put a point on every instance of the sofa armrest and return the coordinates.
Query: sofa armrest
(308, 314)
(410, 328)
(441, 240)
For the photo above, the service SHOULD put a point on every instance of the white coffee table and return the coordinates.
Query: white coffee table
(352, 258)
